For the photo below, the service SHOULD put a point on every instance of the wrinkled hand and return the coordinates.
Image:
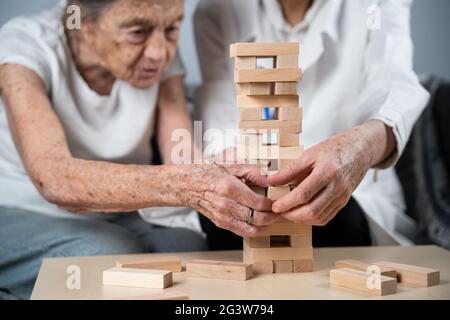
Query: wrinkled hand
(221, 193)
(329, 173)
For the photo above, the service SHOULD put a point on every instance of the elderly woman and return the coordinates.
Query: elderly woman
(77, 113)
(360, 98)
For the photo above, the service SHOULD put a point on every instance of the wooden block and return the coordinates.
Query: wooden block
(268, 152)
(413, 275)
(267, 101)
(264, 49)
(290, 114)
(286, 228)
(361, 281)
(258, 242)
(286, 253)
(268, 75)
(142, 278)
(287, 61)
(250, 114)
(363, 266)
(289, 140)
(172, 295)
(285, 88)
(299, 241)
(167, 263)
(219, 270)
(283, 163)
(306, 265)
(255, 89)
(282, 140)
(243, 63)
(275, 193)
(282, 266)
(263, 267)
(274, 126)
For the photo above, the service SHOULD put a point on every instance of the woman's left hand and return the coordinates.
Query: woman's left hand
(329, 173)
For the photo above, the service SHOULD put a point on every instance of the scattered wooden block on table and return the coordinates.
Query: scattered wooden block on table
(362, 281)
(166, 263)
(243, 63)
(267, 49)
(255, 89)
(142, 278)
(363, 266)
(286, 101)
(275, 193)
(306, 265)
(412, 275)
(264, 254)
(267, 75)
(219, 270)
(285, 88)
(282, 266)
(287, 61)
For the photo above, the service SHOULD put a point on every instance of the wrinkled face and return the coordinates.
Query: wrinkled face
(137, 39)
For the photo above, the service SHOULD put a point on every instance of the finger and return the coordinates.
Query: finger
(226, 221)
(331, 212)
(240, 192)
(301, 167)
(240, 227)
(241, 212)
(250, 172)
(260, 219)
(301, 194)
(312, 211)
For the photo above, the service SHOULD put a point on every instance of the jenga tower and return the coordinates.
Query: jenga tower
(266, 77)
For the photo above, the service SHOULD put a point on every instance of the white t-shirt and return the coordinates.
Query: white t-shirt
(115, 128)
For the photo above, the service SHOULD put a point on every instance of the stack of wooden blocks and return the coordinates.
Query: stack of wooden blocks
(266, 76)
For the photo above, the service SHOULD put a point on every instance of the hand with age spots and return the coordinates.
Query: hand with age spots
(329, 173)
(221, 193)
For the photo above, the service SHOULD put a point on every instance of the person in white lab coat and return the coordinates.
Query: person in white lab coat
(360, 96)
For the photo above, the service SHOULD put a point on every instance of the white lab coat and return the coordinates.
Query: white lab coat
(351, 73)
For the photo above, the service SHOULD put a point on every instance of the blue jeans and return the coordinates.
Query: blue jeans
(28, 237)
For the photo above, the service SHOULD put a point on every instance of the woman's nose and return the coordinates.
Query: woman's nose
(156, 47)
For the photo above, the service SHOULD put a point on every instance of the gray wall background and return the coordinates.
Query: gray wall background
(430, 31)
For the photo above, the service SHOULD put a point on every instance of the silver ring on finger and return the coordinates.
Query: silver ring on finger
(251, 216)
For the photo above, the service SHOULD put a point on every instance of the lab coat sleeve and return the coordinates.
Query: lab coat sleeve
(392, 90)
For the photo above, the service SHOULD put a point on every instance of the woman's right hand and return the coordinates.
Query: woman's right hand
(221, 193)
